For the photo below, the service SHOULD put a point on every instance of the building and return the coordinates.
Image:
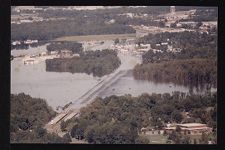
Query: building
(144, 47)
(54, 52)
(66, 53)
(30, 41)
(172, 9)
(188, 23)
(29, 61)
(16, 43)
(164, 43)
(189, 128)
(110, 21)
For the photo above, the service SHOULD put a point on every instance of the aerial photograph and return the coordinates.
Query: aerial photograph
(113, 74)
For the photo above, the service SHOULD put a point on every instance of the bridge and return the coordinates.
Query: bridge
(73, 110)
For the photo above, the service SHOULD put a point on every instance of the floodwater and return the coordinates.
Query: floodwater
(60, 88)
(128, 85)
(57, 88)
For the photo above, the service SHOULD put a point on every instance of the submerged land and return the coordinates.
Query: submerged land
(114, 75)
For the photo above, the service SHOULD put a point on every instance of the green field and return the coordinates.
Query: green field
(156, 139)
(96, 37)
(197, 137)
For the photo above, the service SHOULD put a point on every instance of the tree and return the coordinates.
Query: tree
(178, 129)
(176, 116)
(67, 138)
(30, 120)
(185, 140)
(116, 41)
(63, 125)
(198, 24)
(41, 132)
(173, 25)
(141, 140)
(204, 138)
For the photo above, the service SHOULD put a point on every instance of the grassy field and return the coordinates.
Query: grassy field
(156, 139)
(197, 137)
(96, 37)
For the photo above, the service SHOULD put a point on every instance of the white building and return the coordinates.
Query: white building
(165, 43)
(16, 43)
(30, 41)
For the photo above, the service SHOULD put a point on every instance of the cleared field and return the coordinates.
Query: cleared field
(96, 37)
(156, 139)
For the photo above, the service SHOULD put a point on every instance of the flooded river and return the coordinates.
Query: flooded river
(59, 88)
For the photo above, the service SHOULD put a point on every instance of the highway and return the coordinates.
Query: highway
(127, 62)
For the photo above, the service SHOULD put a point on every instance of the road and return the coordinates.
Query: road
(127, 62)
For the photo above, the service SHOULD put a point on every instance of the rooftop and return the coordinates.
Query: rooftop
(191, 124)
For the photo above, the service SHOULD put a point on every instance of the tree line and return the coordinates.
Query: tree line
(187, 41)
(183, 72)
(48, 30)
(72, 46)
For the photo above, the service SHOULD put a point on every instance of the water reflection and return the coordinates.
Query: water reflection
(128, 85)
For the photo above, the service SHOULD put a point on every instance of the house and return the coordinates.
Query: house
(30, 41)
(66, 53)
(165, 43)
(168, 24)
(179, 25)
(76, 55)
(189, 128)
(144, 47)
(16, 43)
(188, 23)
(110, 21)
(151, 131)
(25, 21)
(53, 52)
(29, 61)
(157, 50)
(43, 54)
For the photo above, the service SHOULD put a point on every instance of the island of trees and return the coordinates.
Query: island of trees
(27, 118)
(119, 119)
(98, 63)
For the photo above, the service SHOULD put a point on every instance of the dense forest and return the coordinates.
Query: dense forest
(157, 57)
(98, 63)
(187, 41)
(48, 30)
(72, 46)
(205, 14)
(88, 22)
(186, 72)
(118, 119)
(104, 13)
(27, 118)
(196, 64)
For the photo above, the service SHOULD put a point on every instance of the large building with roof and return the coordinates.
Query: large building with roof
(189, 128)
